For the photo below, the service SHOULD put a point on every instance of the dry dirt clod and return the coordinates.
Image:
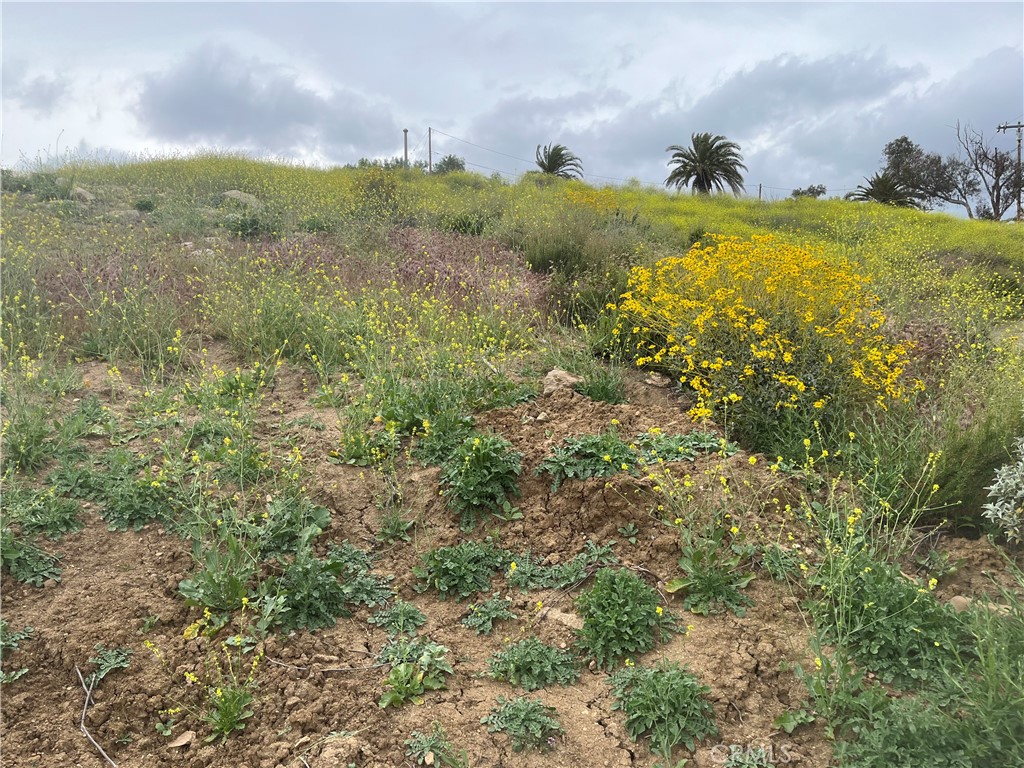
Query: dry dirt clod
(559, 379)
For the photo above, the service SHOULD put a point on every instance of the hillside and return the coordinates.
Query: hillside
(325, 467)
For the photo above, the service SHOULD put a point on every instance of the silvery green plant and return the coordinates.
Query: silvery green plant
(1007, 508)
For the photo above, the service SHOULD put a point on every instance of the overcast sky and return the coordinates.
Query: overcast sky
(810, 91)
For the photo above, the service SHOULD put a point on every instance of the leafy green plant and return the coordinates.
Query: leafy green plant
(140, 500)
(402, 618)
(891, 625)
(587, 456)
(418, 665)
(25, 561)
(29, 440)
(529, 723)
(531, 664)
(629, 532)
(314, 595)
(435, 748)
(480, 617)
(291, 523)
(107, 660)
(359, 585)
(42, 511)
(226, 570)
(230, 694)
(9, 641)
(606, 454)
(780, 562)
(393, 526)
(666, 703)
(622, 617)
(713, 579)
(527, 573)
(462, 570)
(605, 384)
(480, 476)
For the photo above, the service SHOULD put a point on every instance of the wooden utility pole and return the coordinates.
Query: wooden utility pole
(405, 135)
(1019, 127)
(430, 150)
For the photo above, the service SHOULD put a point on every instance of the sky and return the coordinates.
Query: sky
(811, 92)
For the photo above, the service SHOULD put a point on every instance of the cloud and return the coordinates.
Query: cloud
(217, 96)
(40, 94)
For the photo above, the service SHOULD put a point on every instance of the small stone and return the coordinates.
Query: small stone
(183, 740)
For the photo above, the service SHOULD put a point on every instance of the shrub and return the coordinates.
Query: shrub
(1007, 508)
(774, 335)
(622, 617)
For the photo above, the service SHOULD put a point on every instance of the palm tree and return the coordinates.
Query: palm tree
(711, 162)
(885, 187)
(559, 161)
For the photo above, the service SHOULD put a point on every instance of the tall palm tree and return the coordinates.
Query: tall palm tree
(711, 162)
(885, 187)
(559, 161)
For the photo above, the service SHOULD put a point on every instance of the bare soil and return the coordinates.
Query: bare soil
(318, 693)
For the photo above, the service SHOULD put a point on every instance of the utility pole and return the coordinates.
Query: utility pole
(405, 135)
(1019, 127)
(430, 150)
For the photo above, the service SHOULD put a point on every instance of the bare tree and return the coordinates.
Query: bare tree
(994, 170)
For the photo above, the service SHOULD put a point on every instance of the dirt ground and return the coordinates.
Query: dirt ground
(318, 692)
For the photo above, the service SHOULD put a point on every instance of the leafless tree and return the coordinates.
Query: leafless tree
(994, 170)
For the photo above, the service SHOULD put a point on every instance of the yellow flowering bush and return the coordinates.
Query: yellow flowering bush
(774, 335)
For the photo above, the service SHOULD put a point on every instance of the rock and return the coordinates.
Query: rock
(82, 195)
(244, 198)
(959, 603)
(558, 379)
(183, 740)
(657, 380)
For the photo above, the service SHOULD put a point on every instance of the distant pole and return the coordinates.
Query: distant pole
(430, 150)
(405, 132)
(758, 191)
(1018, 126)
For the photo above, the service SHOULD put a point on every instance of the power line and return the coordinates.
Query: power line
(478, 146)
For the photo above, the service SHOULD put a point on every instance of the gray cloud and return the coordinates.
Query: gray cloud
(799, 120)
(40, 94)
(217, 96)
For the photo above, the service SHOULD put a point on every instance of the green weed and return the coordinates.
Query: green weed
(666, 703)
(622, 617)
(529, 723)
(530, 664)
